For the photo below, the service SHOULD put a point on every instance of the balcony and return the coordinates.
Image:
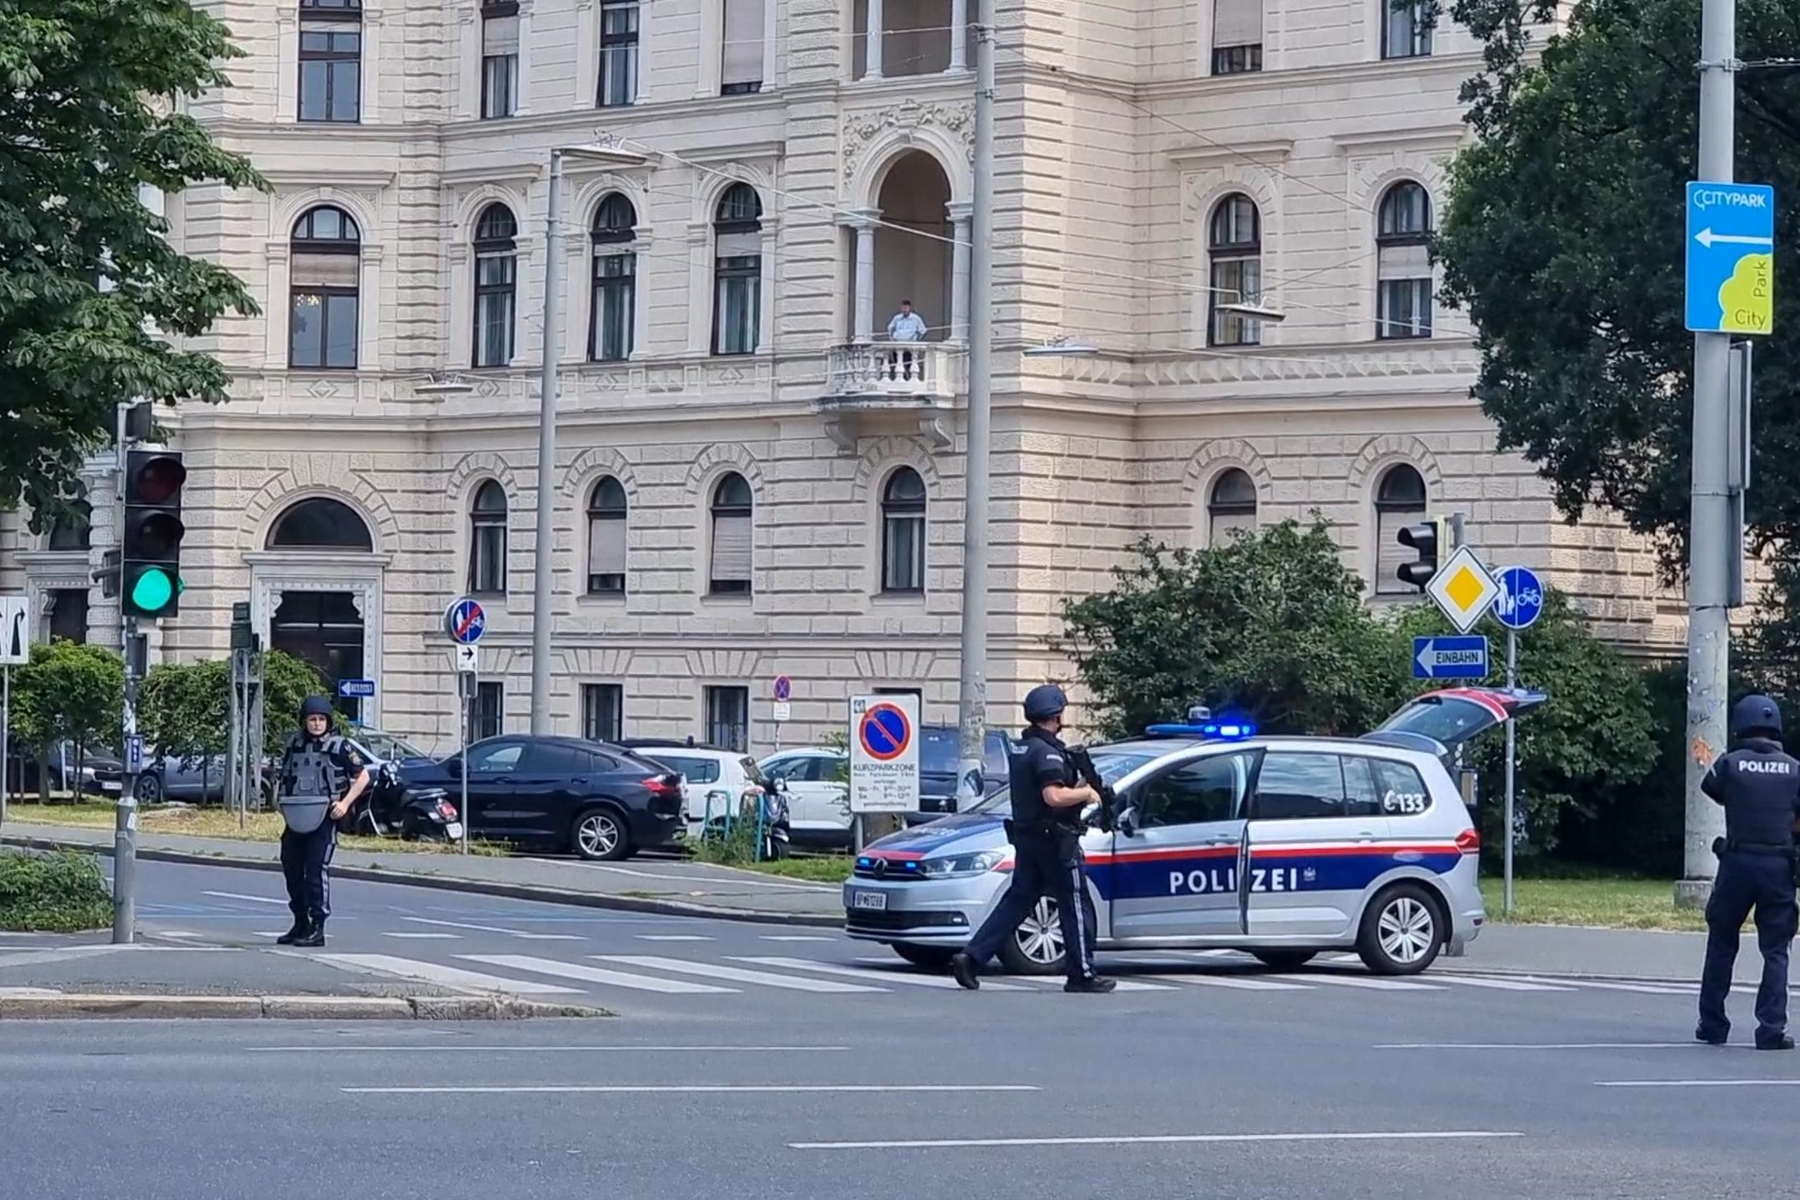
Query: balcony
(883, 384)
(894, 38)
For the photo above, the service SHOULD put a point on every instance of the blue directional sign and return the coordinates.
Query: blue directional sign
(1730, 257)
(465, 622)
(1450, 658)
(356, 689)
(1521, 598)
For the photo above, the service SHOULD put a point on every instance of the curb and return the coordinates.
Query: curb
(511, 891)
(292, 1008)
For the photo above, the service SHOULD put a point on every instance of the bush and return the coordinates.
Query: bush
(56, 893)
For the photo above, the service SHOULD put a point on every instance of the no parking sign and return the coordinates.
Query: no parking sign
(884, 754)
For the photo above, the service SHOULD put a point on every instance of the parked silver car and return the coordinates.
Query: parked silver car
(1281, 846)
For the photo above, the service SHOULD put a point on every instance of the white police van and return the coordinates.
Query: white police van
(1280, 846)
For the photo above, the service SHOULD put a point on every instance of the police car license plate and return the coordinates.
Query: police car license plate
(454, 830)
(876, 900)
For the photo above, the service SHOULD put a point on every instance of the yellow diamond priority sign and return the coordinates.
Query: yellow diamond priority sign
(1463, 589)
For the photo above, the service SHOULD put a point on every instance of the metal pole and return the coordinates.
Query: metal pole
(1709, 541)
(546, 476)
(125, 814)
(5, 738)
(972, 690)
(473, 682)
(1512, 681)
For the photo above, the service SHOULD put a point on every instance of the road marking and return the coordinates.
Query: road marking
(532, 937)
(683, 1088)
(797, 937)
(888, 976)
(1248, 985)
(440, 973)
(735, 974)
(672, 937)
(690, 880)
(1537, 1046)
(414, 1048)
(1646, 989)
(241, 896)
(1390, 985)
(1681, 1083)
(27, 958)
(550, 966)
(177, 933)
(270, 933)
(422, 936)
(1165, 1139)
(1501, 985)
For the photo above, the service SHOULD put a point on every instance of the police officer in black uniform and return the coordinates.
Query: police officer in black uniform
(1759, 785)
(320, 779)
(1047, 799)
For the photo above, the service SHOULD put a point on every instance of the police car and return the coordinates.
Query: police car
(1280, 846)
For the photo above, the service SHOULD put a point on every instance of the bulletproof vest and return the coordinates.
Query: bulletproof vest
(312, 769)
(1024, 761)
(1759, 782)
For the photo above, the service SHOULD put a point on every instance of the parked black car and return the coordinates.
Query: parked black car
(100, 772)
(599, 801)
(937, 767)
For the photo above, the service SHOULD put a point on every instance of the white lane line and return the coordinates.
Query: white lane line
(1168, 1138)
(178, 933)
(422, 936)
(672, 937)
(28, 958)
(797, 937)
(1500, 985)
(690, 880)
(1644, 989)
(447, 975)
(685, 1088)
(1537, 1046)
(1224, 981)
(533, 937)
(1682, 1083)
(1389, 985)
(879, 976)
(460, 1049)
(241, 896)
(270, 933)
(550, 966)
(734, 974)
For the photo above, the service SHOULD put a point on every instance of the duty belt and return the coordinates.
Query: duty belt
(1765, 848)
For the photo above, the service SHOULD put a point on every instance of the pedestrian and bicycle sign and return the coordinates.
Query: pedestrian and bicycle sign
(884, 754)
(1521, 598)
(465, 621)
(1450, 658)
(1462, 589)
(1730, 257)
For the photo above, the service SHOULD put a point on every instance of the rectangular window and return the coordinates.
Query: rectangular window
(487, 558)
(728, 717)
(602, 712)
(490, 711)
(1408, 29)
(69, 614)
(499, 59)
(322, 331)
(741, 60)
(1401, 791)
(1236, 60)
(1403, 309)
(495, 277)
(1235, 281)
(615, 285)
(1298, 787)
(737, 304)
(330, 60)
(731, 554)
(1237, 36)
(903, 552)
(1211, 789)
(618, 53)
(606, 554)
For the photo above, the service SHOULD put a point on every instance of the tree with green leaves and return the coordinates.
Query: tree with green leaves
(184, 709)
(68, 692)
(85, 91)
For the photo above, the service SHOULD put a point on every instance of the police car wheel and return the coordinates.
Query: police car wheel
(1036, 947)
(600, 835)
(1402, 931)
(935, 957)
(1284, 960)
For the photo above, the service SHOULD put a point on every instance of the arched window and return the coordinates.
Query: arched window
(903, 532)
(1403, 262)
(606, 538)
(1230, 506)
(1234, 252)
(1405, 29)
(320, 523)
(737, 271)
(324, 266)
(330, 60)
(72, 530)
(496, 285)
(487, 540)
(732, 514)
(1399, 501)
(615, 280)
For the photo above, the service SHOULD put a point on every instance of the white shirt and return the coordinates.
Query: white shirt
(906, 327)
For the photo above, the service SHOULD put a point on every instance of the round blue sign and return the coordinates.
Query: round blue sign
(1521, 599)
(885, 732)
(465, 622)
(784, 688)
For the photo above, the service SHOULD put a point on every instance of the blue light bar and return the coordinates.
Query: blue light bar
(1221, 730)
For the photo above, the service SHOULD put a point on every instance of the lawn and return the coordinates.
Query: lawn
(827, 868)
(1616, 903)
(208, 823)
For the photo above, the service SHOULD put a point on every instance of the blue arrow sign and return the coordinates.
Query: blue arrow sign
(1521, 599)
(1730, 257)
(1450, 658)
(465, 622)
(360, 689)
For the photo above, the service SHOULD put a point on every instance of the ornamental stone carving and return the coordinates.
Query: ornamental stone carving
(864, 129)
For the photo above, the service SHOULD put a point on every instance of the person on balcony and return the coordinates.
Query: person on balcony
(905, 326)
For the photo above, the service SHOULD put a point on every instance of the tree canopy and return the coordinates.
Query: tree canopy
(87, 115)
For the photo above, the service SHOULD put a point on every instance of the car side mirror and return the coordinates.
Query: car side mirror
(1127, 821)
(453, 766)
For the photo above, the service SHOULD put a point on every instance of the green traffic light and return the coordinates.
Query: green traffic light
(152, 591)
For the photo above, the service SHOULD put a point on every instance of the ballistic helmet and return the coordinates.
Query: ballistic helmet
(1043, 702)
(1756, 715)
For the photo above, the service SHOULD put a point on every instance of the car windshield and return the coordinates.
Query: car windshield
(697, 770)
(1447, 720)
(1112, 765)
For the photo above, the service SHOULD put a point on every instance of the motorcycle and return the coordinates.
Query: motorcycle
(774, 835)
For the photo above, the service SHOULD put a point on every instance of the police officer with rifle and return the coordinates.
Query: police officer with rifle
(319, 781)
(1758, 783)
(1045, 830)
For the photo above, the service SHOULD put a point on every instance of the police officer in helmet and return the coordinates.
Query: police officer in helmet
(320, 778)
(1758, 783)
(1047, 799)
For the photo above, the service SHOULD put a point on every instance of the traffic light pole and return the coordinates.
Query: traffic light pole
(125, 817)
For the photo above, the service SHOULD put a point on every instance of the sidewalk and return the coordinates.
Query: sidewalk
(699, 889)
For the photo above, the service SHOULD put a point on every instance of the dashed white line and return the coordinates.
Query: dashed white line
(1164, 1139)
(241, 896)
(685, 1088)
(530, 937)
(672, 937)
(422, 936)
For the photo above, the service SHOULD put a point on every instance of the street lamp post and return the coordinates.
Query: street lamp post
(542, 574)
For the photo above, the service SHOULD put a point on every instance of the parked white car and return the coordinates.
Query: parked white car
(817, 793)
(721, 779)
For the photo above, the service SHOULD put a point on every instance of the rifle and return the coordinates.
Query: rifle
(1083, 762)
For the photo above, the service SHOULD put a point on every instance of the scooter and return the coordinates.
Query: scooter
(774, 830)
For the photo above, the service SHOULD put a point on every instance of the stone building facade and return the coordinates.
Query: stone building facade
(752, 479)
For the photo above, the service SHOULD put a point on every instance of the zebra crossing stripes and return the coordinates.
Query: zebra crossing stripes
(735, 974)
(581, 971)
(941, 982)
(455, 977)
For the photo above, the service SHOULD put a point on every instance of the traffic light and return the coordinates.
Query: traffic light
(1425, 539)
(150, 585)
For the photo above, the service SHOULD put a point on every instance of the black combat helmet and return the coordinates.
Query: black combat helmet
(1756, 716)
(315, 706)
(1043, 702)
